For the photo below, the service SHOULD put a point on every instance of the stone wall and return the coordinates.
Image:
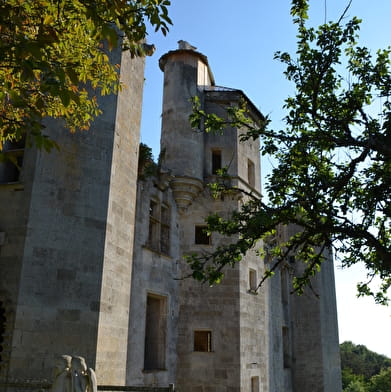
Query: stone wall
(116, 274)
(254, 327)
(315, 365)
(85, 272)
(204, 308)
(59, 252)
(14, 212)
(58, 300)
(155, 273)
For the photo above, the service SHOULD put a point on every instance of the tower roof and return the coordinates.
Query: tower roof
(186, 48)
(218, 92)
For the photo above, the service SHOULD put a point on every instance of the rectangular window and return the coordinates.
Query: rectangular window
(165, 239)
(216, 161)
(251, 173)
(286, 347)
(153, 234)
(159, 227)
(165, 230)
(255, 384)
(165, 215)
(155, 333)
(153, 209)
(284, 286)
(201, 236)
(203, 341)
(13, 161)
(252, 280)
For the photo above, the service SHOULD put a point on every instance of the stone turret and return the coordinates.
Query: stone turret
(183, 147)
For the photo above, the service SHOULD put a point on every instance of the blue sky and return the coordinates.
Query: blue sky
(239, 39)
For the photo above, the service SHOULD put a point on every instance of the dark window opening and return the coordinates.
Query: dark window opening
(165, 230)
(201, 235)
(255, 384)
(12, 161)
(216, 161)
(153, 209)
(284, 286)
(286, 347)
(165, 215)
(2, 331)
(251, 173)
(155, 333)
(159, 228)
(165, 239)
(153, 234)
(252, 280)
(203, 341)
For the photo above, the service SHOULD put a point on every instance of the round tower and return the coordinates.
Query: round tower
(182, 147)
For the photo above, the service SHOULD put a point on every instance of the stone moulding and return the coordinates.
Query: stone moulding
(184, 190)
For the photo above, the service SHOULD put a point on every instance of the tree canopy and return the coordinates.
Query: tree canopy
(332, 173)
(381, 382)
(362, 361)
(54, 59)
(364, 370)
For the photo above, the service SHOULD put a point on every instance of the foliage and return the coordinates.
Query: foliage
(146, 165)
(381, 382)
(332, 176)
(355, 386)
(53, 61)
(351, 379)
(364, 370)
(359, 363)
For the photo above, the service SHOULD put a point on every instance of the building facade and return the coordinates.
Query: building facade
(92, 258)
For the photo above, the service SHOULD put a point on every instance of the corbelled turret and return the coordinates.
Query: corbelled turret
(183, 147)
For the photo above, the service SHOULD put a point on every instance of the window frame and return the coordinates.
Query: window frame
(197, 344)
(250, 173)
(252, 280)
(217, 161)
(157, 363)
(286, 347)
(159, 228)
(10, 173)
(255, 384)
(199, 235)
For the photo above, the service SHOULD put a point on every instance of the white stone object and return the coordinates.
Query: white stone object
(72, 375)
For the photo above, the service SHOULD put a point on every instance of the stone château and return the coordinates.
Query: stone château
(91, 256)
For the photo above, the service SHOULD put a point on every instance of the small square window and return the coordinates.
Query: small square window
(201, 235)
(203, 341)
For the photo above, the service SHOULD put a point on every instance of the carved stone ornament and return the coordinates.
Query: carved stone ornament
(71, 374)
